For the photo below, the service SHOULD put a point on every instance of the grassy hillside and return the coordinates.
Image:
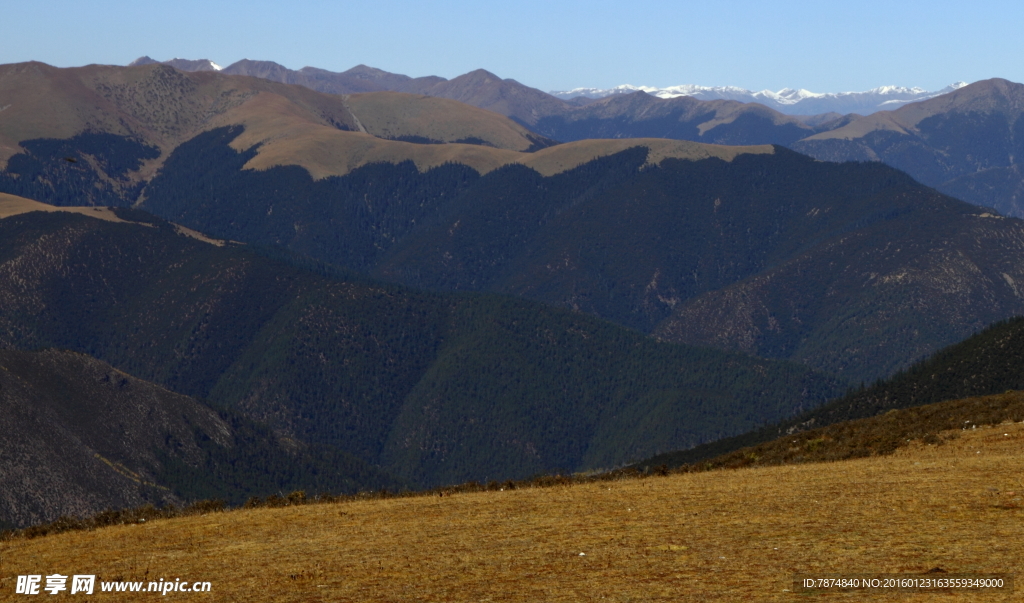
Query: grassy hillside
(946, 509)
(437, 388)
(425, 119)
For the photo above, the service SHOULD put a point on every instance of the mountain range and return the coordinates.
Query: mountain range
(769, 252)
(569, 225)
(433, 388)
(788, 100)
(945, 158)
(967, 143)
(428, 291)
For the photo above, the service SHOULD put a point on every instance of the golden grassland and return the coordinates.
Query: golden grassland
(736, 535)
(12, 205)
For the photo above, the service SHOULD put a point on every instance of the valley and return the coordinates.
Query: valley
(432, 388)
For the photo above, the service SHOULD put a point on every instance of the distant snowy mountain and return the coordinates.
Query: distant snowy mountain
(787, 100)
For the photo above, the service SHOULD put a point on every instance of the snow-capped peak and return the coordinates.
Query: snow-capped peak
(788, 100)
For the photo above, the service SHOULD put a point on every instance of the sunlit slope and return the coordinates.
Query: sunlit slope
(427, 119)
(160, 105)
(12, 205)
(716, 536)
(157, 107)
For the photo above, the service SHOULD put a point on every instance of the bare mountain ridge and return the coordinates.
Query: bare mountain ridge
(938, 141)
(159, 107)
(640, 116)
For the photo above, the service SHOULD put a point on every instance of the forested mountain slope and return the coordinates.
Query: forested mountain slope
(987, 363)
(80, 437)
(772, 253)
(436, 388)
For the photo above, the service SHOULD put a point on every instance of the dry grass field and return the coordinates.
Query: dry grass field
(735, 535)
(12, 205)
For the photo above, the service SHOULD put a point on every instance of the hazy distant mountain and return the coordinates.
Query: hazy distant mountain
(683, 118)
(478, 88)
(787, 100)
(358, 79)
(182, 64)
(967, 143)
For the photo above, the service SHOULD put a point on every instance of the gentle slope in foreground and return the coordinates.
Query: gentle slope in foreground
(715, 536)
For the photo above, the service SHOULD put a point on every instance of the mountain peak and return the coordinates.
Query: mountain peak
(477, 74)
(180, 64)
(792, 101)
(143, 60)
(365, 72)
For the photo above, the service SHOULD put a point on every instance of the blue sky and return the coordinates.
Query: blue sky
(820, 46)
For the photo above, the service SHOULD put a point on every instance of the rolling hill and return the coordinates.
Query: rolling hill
(434, 388)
